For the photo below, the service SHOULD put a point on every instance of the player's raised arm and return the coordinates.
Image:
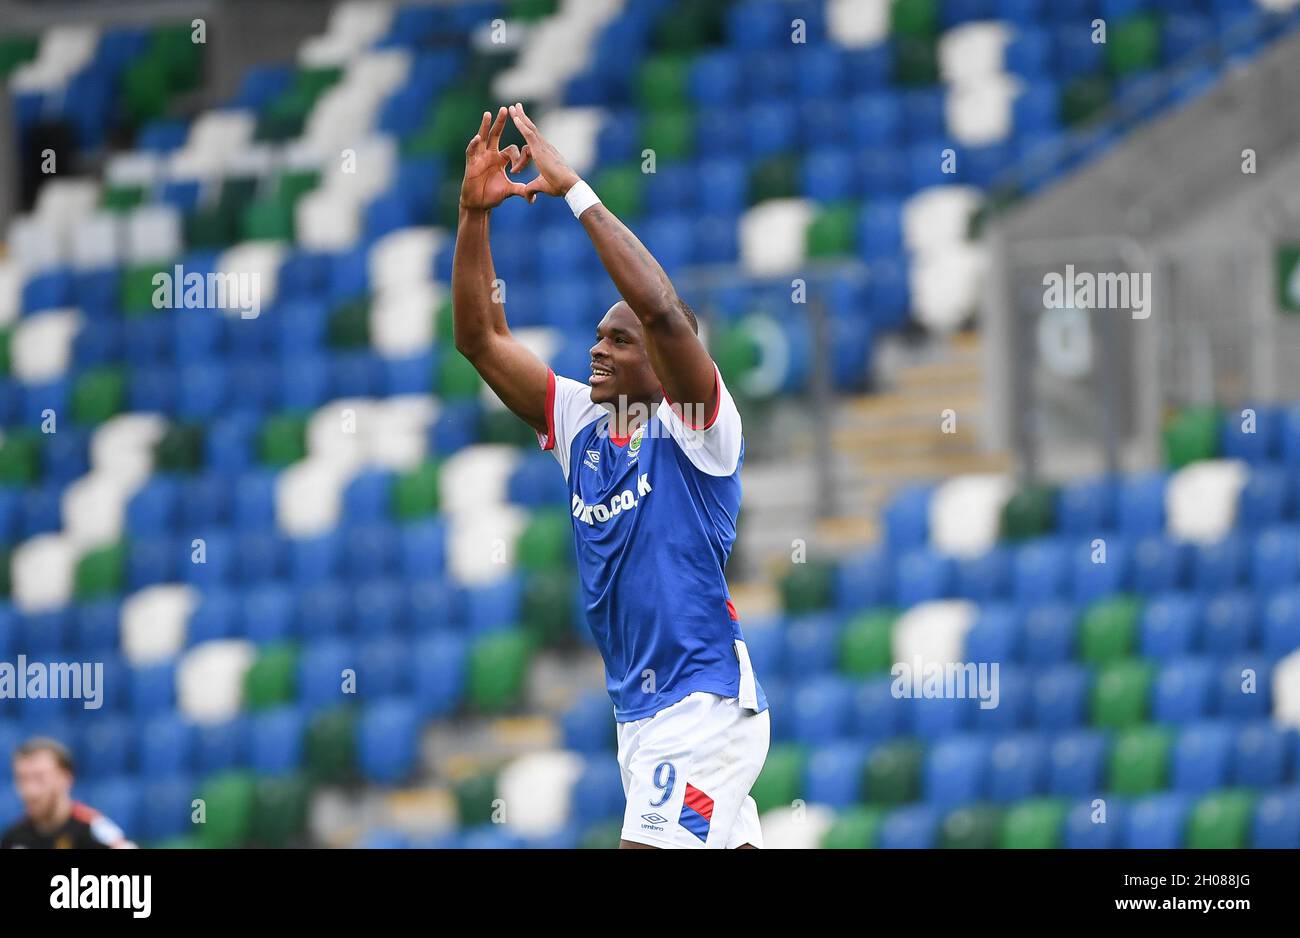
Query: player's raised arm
(479, 319)
(677, 355)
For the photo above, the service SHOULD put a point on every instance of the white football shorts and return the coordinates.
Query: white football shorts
(687, 771)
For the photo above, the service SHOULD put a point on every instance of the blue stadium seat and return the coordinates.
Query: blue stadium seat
(1017, 768)
(912, 828)
(1220, 566)
(1275, 558)
(276, 740)
(1140, 506)
(1100, 571)
(1266, 497)
(996, 634)
(1011, 708)
(1183, 691)
(222, 746)
(107, 747)
(1230, 623)
(438, 673)
(923, 574)
(153, 688)
(1061, 697)
(1077, 764)
(166, 809)
(834, 774)
(1049, 631)
(599, 789)
(985, 577)
(166, 743)
(1243, 687)
(1202, 758)
(877, 713)
(822, 710)
(268, 613)
(370, 550)
(1156, 822)
(812, 645)
(1089, 826)
(956, 772)
(387, 738)
(1261, 756)
(383, 668)
(1040, 571)
(1277, 821)
(1159, 565)
(1281, 622)
(216, 616)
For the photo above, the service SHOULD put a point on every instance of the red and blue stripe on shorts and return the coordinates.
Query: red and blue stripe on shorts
(697, 812)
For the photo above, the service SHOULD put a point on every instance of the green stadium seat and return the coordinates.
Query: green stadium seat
(15, 51)
(670, 132)
(1139, 762)
(855, 829)
(602, 836)
(833, 233)
(210, 227)
(98, 394)
(1033, 825)
(271, 679)
(1109, 629)
(283, 439)
(893, 773)
(689, 26)
(662, 82)
(268, 220)
(972, 827)
(532, 9)
(498, 670)
(1029, 513)
(916, 18)
(501, 426)
(1121, 694)
(1083, 98)
(415, 493)
(179, 450)
(120, 198)
(138, 288)
(548, 605)
(776, 177)
(279, 814)
(20, 457)
(547, 542)
(330, 747)
(1190, 436)
(1133, 44)
(622, 189)
(916, 61)
(227, 809)
(100, 572)
(457, 377)
(474, 797)
(808, 586)
(867, 643)
(349, 325)
(780, 783)
(1221, 821)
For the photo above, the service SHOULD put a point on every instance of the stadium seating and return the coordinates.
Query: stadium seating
(298, 539)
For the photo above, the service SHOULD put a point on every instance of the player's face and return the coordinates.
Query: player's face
(620, 365)
(41, 783)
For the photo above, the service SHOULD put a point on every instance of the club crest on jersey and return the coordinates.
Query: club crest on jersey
(634, 445)
(593, 459)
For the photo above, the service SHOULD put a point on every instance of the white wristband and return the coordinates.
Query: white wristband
(580, 198)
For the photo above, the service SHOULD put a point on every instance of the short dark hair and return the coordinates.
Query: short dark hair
(62, 755)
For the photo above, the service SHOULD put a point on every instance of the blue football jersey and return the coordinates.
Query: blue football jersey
(654, 520)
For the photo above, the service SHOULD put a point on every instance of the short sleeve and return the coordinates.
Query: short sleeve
(568, 410)
(713, 445)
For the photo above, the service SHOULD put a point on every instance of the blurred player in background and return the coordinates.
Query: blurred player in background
(43, 777)
(651, 449)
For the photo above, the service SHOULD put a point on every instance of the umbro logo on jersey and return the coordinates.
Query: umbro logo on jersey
(654, 818)
(593, 459)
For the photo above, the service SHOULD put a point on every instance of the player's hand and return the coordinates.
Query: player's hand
(556, 176)
(486, 184)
